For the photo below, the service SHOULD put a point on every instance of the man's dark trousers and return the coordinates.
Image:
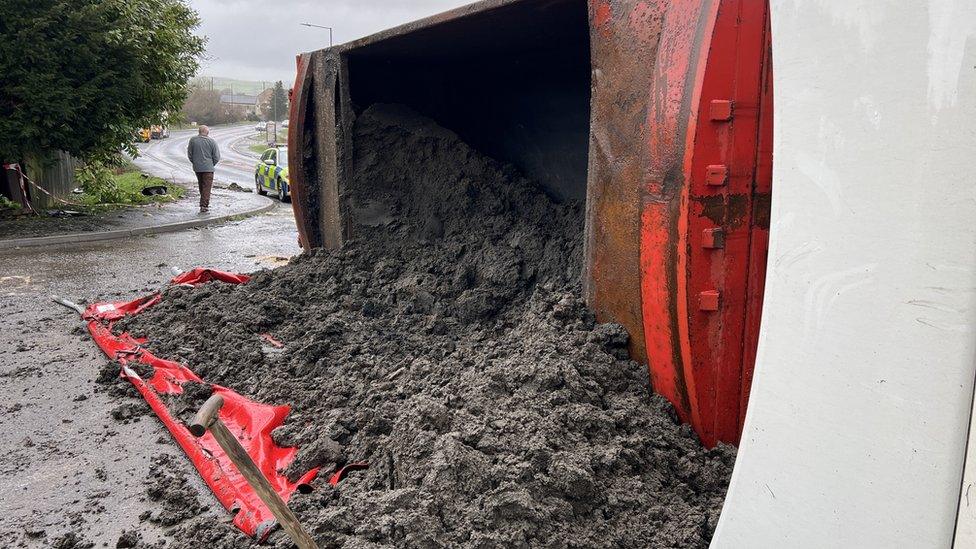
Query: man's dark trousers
(205, 183)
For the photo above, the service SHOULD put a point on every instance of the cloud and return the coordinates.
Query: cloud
(258, 40)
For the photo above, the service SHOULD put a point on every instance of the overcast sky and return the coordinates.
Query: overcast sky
(258, 40)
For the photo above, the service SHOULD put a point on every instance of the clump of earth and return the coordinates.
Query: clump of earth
(446, 344)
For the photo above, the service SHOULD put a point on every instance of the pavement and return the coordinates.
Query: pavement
(76, 456)
(167, 159)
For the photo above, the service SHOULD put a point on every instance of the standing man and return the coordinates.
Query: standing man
(204, 155)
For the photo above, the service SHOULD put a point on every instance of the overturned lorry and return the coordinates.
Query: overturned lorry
(660, 113)
(657, 114)
(453, 356)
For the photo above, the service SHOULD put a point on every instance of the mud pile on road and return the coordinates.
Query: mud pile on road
(448, 347)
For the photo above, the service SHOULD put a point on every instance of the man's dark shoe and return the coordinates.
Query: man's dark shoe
(204, 210)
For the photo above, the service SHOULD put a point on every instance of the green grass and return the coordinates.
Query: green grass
(259, 147)
(249, 87)
(6, 204)
(130, 182)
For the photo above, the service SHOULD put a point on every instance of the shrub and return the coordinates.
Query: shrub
(98, 181)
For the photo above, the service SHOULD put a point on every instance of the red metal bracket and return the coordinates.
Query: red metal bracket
(713, 239)
(720, 110)
(709, 300)
(716, 175)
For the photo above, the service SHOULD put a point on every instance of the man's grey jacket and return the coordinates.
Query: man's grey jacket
(203, 153)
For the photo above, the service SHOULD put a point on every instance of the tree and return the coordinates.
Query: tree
(203, 107)
(278, 106)
(82, 75)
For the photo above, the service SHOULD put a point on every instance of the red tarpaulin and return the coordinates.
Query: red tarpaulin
(251, 422)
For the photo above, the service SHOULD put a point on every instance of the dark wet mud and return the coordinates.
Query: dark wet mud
(446, 345)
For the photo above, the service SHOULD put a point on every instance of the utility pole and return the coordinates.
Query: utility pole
(320, 27)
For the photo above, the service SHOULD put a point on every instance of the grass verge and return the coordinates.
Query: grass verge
(123, 186)
(259, 147)
(7, 205)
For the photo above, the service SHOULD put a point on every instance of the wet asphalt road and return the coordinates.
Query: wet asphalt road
(67, 465)
(166, 158)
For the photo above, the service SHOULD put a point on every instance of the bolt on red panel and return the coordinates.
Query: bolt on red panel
(720, 110)
(716, 175)
(709, 300)
(713, 239)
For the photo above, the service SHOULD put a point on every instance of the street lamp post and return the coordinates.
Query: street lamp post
(320, 27)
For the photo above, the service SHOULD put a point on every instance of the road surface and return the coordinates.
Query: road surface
(70, 466)
(166, 158)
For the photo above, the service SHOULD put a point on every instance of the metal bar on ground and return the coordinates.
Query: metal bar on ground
(207, 419)
(69, 304)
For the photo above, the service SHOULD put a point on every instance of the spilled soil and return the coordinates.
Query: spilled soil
(446, 345)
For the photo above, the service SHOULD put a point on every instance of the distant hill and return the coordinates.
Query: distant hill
(239, 86)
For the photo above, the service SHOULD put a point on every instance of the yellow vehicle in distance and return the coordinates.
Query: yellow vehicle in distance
(271, 173)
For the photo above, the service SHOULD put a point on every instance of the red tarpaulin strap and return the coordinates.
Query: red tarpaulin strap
(341, 473)
(200, 276)
(251, 422)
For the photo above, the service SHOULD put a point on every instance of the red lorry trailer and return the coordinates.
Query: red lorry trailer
(657, 112)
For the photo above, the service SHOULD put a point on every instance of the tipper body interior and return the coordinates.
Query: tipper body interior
(657, 114)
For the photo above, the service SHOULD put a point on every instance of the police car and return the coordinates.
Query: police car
(271, 173)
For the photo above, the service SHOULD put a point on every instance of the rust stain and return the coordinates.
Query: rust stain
(624, 37)
(736, 210)
(602, 15)
(761, 209)
(729, 211)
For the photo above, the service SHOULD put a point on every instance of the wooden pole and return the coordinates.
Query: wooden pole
(207, 419)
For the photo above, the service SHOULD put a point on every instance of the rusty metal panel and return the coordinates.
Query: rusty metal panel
(699, 205)
(672, 112)
(343, 124)
(326, 65)
(624, 38)
(300, 154)
(314, 150)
